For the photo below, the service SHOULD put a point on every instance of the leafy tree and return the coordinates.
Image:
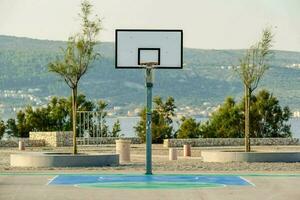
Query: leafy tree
(269, 119)
(22, 125)
(59, 111)
(161, 120)
(53, 117)
(78, 56)
(226, 122)
(189, 128)
(116, 130)
(37, 118)
(11, 127)
(82, 103)
(101, 106)
(165, 110)
(2, 128)
(140, 128)
(252, 67)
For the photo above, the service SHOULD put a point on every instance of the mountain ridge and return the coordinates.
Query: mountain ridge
(111, 42)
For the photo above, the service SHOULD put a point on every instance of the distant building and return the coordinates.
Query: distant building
(137, 111)
(296, 114)
(116, 108)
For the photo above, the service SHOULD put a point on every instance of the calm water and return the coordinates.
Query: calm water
(127, 124)
(295, 127)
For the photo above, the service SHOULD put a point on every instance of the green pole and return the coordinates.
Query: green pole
(149, 85)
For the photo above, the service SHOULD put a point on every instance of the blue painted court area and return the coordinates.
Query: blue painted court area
(149, 181)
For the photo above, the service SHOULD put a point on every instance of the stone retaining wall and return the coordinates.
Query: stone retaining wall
(27, 142)
(207, 142)
(106, 140)
(53, 139)
(61, 139)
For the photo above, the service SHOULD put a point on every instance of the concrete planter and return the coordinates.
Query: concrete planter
(36, 159)
(226, 156)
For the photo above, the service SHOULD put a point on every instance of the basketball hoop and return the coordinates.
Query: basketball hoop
(149, 50)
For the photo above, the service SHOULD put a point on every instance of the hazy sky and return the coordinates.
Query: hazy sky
(209, 24)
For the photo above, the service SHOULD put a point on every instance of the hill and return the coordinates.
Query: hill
(207, 76)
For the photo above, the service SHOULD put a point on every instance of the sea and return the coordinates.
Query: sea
(128, 123)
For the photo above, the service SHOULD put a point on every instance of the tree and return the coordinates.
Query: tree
(252, 67)
(78, 56)
(23, 127)
(55, 116)
(82, 103)
(59, 112)
(226, 122)
(11, 127)
(37, 119)
(2, 128)
(116, 129)
(101, 106)
(161, 120)
(269, 119)
(140, 128)
(189, 128)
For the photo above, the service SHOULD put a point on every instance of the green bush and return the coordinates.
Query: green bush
(189, 128)
(161, 120)
(267, 118)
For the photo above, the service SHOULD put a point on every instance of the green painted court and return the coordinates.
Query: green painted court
(159, 181)
(138, 186)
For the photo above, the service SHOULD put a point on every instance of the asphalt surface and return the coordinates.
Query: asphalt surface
(35, 187)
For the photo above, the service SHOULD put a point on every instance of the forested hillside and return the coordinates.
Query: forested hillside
(207, 76)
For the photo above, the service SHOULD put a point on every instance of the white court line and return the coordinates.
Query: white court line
(84, 184)
(248, 181)
(50, 180)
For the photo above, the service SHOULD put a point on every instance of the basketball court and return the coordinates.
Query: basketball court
(148, 50)
(138, 186)
(150, 181)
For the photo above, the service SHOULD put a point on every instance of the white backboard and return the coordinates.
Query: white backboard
(136, 46)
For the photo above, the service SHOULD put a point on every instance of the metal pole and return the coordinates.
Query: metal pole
(84, 128)
(149, 85)
(98, 129)
(80, 135)
(88, 126)
(93, 128)
(101, 133)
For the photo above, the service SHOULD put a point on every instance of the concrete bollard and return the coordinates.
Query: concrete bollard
(172, 154)
(187, 150)
(123, 149)
(21, 146)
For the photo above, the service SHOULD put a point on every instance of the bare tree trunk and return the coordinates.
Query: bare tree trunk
(247, 119)
(74, 117)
